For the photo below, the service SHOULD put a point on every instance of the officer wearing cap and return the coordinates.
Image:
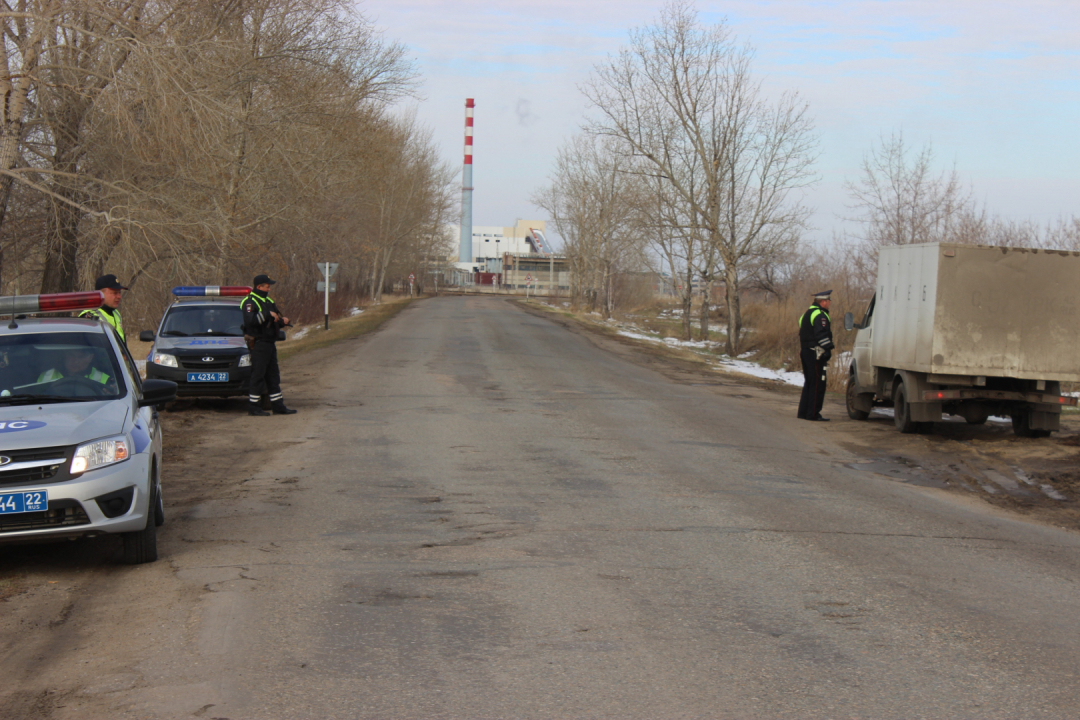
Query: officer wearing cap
(816, 342)
(262, 320)
(109, 312)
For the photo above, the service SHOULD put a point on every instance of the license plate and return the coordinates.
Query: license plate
(20, 502)
(208, 377)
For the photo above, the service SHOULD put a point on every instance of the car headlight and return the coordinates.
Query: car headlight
(99, 453)
(165, 359)
(245, 361)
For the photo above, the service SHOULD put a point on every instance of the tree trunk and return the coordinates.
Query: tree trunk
(706, 297)
(734, 321)
(688, 303)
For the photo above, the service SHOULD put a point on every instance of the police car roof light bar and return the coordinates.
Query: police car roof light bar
(55, 302)
(211, 290)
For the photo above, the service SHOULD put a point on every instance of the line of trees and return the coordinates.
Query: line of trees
(709, 168)
(202, 141)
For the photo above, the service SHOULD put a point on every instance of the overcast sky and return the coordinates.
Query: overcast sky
(994, 85)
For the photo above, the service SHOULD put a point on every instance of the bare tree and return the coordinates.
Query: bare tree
(681, 96)
(592, 200)
(901, 200)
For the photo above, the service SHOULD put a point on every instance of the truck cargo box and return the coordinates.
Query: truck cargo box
(969, 310)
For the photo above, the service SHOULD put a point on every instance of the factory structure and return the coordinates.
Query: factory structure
(504, 258)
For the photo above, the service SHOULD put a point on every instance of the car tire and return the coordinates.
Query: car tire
(853, 412)
(159, 508)
(902, 411)
(1021, 423)
(141, 546)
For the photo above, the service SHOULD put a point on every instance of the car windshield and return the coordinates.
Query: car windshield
(203, 320)
(58, 367)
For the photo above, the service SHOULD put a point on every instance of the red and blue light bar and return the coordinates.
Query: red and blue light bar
(52, 303)
(211, 291)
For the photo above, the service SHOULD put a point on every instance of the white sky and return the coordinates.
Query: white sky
(993, 85)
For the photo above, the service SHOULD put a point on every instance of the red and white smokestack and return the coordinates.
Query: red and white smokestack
(465, 248)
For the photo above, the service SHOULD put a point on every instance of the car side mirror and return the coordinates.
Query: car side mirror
(146, 336)
(849, 321)
(157, 392)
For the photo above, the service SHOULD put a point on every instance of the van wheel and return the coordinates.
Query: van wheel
(902, 411)
(1021, 423)
(853, 412)
(141, 546)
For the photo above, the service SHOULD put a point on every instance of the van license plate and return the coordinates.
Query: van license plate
(208, 377)
(20, 502)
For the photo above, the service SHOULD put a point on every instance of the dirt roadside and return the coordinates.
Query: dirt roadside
(57, 601)
(1037, 479)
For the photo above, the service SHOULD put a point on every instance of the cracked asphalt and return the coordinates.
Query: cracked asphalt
(481, 513)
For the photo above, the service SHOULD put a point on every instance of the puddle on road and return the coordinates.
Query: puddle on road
(898, 471)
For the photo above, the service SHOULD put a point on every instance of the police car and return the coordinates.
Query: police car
(200, 343)
(80, 444)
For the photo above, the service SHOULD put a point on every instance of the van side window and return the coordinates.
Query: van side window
(869, 312)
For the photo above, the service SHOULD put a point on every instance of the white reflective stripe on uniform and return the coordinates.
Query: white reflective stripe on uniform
(275, 397)
(53, 374)
(254, 398)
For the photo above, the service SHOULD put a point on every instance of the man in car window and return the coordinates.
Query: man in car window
(78, 363)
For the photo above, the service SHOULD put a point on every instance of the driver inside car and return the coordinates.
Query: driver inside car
(78, 363)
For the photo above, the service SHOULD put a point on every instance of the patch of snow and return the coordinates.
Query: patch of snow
(888, 412)
(353, 312)
(1052, 493)
(754, 370)
(748, 354)
(301, 332)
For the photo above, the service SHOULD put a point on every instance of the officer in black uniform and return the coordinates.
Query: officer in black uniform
(262, 321)
(815, 339)
(109, 312)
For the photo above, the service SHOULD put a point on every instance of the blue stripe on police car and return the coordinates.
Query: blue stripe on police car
(17, 425)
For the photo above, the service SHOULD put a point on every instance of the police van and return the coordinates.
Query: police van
(80, 443)
(200, 345)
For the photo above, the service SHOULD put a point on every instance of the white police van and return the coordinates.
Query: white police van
(200, 345)
(80, 443)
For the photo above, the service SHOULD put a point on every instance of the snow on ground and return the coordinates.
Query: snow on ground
(888, 412)
(744, 367)
(753, 369)
(353, 312)
(301, 333)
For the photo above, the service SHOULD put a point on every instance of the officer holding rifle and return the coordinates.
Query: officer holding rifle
(262, 322)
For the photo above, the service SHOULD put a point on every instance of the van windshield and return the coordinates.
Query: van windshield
(58, 367)
(203, 320)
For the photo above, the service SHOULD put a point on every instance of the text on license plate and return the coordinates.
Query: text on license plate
(33, 501)
(208, 377)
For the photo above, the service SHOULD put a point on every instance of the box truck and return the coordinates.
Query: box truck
(970, 331)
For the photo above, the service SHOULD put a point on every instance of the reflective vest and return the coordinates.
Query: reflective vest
(92, 374)
(815, 310)
(257, 300)
(113, 319)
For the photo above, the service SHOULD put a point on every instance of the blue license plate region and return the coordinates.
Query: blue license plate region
(208, 377)
(20, 502)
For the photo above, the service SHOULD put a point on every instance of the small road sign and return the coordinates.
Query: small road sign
(322, 286)
(323, 270)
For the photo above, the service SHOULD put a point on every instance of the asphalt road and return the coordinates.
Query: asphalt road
(481, 514)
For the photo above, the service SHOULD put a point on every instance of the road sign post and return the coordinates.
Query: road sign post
(327, 269)
(412, 279)
(528, 284)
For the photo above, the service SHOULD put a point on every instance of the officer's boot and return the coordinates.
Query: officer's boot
(278, 406)
(255, 409)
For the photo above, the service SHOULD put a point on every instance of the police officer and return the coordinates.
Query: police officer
(109, 312)
(815, 339)
(262, 320)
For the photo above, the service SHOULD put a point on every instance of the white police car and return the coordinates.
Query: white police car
(80, 444)
(200, 345)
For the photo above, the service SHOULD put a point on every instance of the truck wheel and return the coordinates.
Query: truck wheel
(853, 412)
(1021, 423)
(902, 412)
(141, 546)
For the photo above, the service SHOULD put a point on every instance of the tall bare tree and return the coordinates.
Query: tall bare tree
(681, 96)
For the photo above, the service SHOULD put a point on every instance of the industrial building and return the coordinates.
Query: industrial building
(508, 257)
